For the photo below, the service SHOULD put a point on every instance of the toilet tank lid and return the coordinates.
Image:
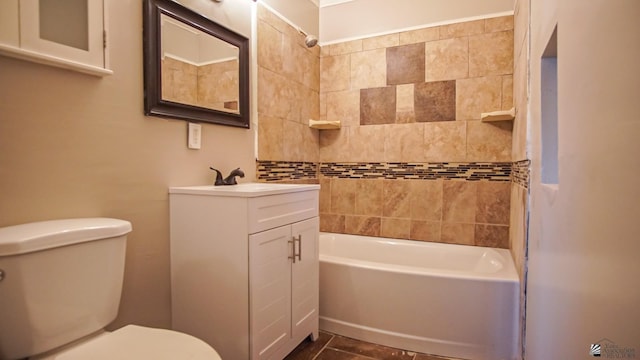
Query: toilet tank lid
(36, 236)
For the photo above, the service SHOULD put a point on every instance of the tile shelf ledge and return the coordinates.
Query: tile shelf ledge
(501, 115)
(324, 124)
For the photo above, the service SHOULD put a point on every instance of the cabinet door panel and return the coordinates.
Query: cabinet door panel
(304, 282)
(270, 279)
(68, 29)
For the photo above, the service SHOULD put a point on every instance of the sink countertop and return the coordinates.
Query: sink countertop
(243, 189)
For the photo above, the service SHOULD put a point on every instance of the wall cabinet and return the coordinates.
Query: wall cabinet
(244, 267)
(64, 33)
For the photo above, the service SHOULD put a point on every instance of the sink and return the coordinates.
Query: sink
(243, 189)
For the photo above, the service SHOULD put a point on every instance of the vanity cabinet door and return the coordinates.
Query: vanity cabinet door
(69, 29)
(305, 279)
(270, 291)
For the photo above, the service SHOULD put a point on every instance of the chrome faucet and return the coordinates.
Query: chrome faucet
(229, 180)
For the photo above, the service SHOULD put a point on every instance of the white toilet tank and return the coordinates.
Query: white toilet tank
(60, 280)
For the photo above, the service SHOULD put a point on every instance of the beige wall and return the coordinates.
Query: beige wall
(74, 145)
(583, 266)
(520, 190)
(365, 18)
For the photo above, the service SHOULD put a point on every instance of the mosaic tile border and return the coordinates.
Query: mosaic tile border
(472, 171)
(517, 172)
(285, 170)
(520, 172)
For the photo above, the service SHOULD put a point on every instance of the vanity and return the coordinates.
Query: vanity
(244, 266)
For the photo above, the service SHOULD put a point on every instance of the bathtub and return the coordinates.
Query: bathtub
(451, 300)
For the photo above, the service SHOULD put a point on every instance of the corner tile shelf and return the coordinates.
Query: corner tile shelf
(501, 115)
(324, 124)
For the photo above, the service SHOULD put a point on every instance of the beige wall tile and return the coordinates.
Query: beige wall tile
(323, 105)
(491, 54)
(477, 95)
(492, 206)
(404, 142)
(507, 92)
(459, 200)
(396, 198)
(381, 42)
(419, 35)
(292, 143)
(269, 47)
(369, 197)
(362, 225)
(272, 19)
(405, 100)
(456, 233)
(404, 97)
(500, 23)
(445, 141)
(368, 69)
(447, 59)
(435, 101)
(309, 104)
(325, 50)
(366, 143)
(395, 228)
(274, 95)
(332, 223)
(334, 146)
(462, 29)
(405, 64)
(335, 73)
(343, 196)
(496, 236)
(311, 74)
(344, 106)
(378, 105)
(325, 194)
(310, 144)
(489, 141)
(270, 138)
(425, 230)
(426, 200)
(345, 47)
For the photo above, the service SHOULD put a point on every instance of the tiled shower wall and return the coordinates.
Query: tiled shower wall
(409, 103)
(288, 92)
(414, 98)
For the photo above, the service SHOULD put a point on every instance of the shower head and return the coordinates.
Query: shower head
(309, 40)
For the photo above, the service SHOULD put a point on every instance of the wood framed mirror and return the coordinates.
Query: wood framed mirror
(194, 68)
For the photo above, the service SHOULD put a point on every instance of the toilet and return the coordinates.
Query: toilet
(60, 285)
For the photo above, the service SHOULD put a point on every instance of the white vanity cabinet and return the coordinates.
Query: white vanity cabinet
(244, 266)
(64, 33)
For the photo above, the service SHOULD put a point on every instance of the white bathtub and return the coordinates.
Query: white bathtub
(452, 300)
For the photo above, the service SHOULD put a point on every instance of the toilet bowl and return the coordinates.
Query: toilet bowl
(133, 342)
(60, 285)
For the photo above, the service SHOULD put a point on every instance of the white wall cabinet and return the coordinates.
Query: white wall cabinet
(64, 33)
(244, 267)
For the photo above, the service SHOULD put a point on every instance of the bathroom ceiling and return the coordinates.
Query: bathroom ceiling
(325, 3)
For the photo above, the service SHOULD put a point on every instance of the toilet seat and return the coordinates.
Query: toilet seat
(138, 342)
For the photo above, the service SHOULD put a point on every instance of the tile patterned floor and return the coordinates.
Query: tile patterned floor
(335, 347)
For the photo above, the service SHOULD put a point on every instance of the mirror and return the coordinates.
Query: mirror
(194, 68)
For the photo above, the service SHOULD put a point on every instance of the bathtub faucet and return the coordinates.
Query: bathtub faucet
(229, 180)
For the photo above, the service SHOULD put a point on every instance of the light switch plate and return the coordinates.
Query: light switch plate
(194, 136)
